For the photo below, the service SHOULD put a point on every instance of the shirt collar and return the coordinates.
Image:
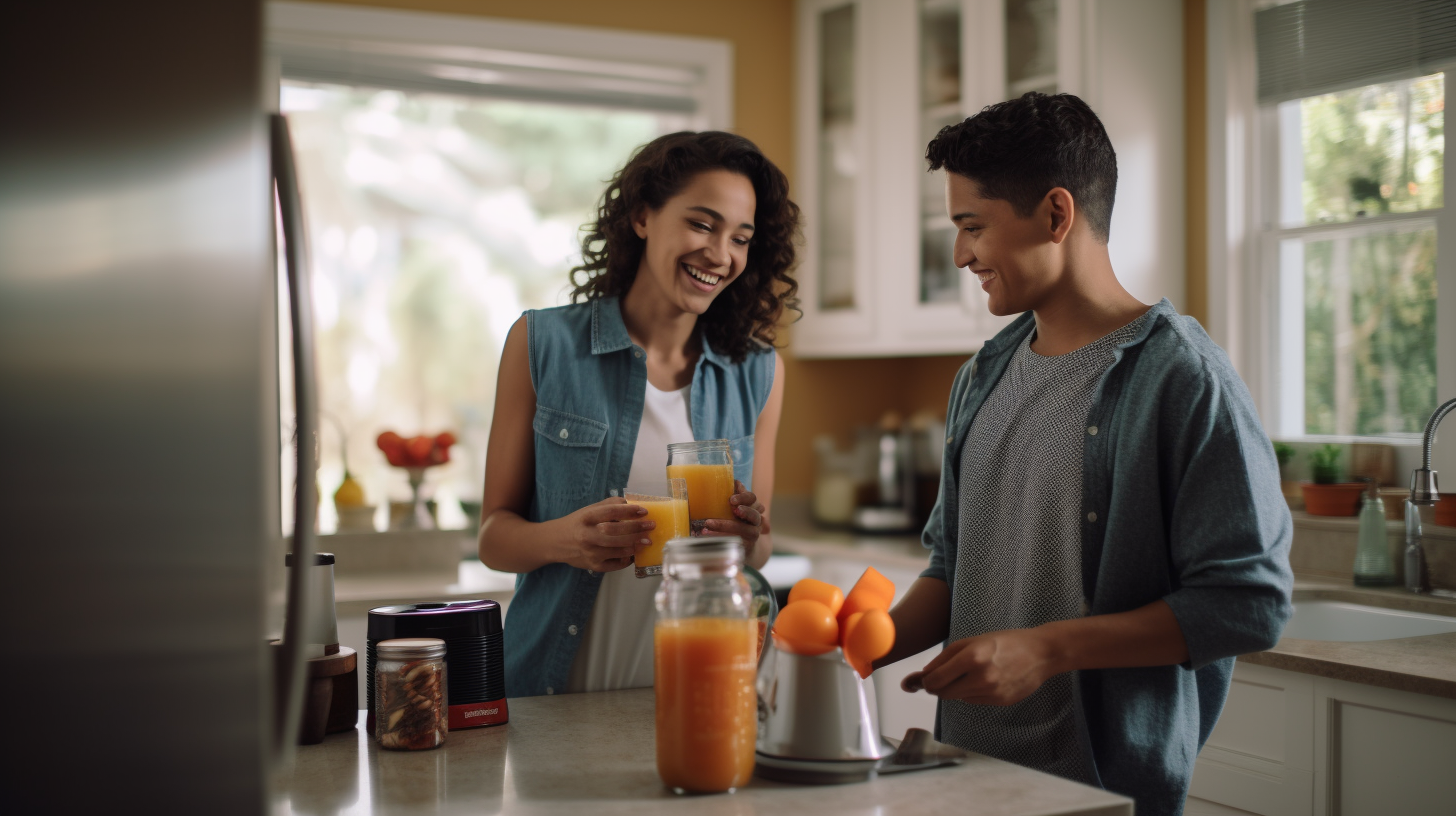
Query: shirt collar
(609, 332)
(1023, 325)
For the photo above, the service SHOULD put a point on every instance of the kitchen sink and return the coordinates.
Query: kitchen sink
(1339, 620)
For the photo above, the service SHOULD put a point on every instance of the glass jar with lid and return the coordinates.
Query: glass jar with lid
(707, 467)
(704, 658)
(410, 700)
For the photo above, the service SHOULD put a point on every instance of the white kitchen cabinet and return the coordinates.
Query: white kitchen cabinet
(878, 78)
(1290, 743)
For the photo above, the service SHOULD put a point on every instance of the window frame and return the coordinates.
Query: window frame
(1246, 291)
(712, 58)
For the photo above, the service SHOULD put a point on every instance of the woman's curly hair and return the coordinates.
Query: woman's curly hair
(748, 311)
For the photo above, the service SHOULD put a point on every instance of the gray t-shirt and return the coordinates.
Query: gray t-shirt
(1019, 561)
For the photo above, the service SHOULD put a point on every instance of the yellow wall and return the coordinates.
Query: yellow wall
(1195, 151)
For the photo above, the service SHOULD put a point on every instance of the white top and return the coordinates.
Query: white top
(616, 647)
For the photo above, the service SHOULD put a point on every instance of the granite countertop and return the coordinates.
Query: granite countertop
(1423, 665)
(576, 753)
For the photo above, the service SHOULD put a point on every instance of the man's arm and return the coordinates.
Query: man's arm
(1001, 668)
(922, 619)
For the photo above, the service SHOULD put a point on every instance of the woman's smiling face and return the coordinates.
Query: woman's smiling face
(697, 243)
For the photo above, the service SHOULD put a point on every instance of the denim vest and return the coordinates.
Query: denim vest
(591, 381)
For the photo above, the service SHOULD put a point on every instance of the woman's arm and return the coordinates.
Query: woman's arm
(600, 537)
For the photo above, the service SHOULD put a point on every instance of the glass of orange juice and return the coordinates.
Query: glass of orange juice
(670, 512)
(705, 662)
(708, 469)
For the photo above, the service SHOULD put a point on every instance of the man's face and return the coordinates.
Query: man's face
(1013, 257)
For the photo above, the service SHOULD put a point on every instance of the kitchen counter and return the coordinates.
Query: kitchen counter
(575, 753)
(1423, 665)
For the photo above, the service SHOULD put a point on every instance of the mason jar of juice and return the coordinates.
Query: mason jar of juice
(707, 467)
(669, 512)
(704, 650)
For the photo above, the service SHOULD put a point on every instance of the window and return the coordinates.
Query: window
(1343, 156)
(1359, 191)
(446, 166)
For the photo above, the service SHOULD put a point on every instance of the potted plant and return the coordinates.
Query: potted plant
(1284, 452)
(1328, 495)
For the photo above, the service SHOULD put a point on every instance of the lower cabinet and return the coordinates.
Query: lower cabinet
(1291, 743)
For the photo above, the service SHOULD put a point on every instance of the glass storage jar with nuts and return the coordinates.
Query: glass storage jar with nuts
(410, 702)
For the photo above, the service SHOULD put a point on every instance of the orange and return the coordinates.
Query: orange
(806, 627)
(869, 637)
(810, 589)
(871, 591)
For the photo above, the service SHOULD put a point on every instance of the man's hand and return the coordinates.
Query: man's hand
(999, 668)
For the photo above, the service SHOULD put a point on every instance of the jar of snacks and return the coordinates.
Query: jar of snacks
(409, 703)
(705, 648)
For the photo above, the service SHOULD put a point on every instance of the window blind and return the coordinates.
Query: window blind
(1314, 47)
(490, 72)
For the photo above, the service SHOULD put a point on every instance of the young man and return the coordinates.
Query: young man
(1109, 532)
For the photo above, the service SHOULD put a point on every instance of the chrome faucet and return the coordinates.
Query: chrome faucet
(1424, 493)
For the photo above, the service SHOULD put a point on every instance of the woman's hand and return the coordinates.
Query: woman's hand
(604, 536)
(749, 523)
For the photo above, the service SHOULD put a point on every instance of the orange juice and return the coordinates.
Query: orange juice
(671, 517)
(707, 709)
(709, 488)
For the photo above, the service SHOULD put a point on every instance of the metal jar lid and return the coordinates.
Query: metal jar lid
(410, 648)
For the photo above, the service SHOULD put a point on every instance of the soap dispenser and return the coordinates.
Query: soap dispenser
(1373, 564)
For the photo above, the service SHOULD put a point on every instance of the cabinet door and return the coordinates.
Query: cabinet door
(1260, 756)
(835, 192)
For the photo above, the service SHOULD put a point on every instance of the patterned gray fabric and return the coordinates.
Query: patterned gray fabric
(1020, 553)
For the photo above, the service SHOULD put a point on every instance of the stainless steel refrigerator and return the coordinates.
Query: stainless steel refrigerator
(139, 441)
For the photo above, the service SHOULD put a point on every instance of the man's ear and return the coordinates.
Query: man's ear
(639, 222)
(1061, 211)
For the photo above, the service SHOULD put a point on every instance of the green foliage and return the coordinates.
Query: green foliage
(1370, 298)
(1283, 451)
(1324, 463)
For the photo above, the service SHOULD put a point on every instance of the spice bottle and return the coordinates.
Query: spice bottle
(410, 704)
(704, 659)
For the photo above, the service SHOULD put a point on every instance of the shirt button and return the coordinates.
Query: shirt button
(1092, 517)
(637, 354)
(949, 439)
(550, 690)
(563, 434)
(1091, 430)
(571, 629)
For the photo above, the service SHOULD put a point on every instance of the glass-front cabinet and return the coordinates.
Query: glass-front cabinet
(880, 79)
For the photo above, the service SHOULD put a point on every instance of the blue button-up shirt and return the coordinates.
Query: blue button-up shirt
(591, 381)
(1180, 502)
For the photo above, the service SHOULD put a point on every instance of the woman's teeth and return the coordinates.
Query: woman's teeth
(700, 275)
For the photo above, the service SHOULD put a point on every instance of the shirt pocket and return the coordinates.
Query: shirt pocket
(742, 451)
(567, 449)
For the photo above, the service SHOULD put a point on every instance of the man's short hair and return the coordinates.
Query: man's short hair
(1020, 149)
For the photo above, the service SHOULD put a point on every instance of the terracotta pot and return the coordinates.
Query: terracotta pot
(1332, 499)
(1446, 510)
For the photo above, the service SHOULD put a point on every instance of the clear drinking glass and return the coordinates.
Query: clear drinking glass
(704, 652)
(669, 510)
(708, 469)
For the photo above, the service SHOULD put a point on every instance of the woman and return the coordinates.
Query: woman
(669, 338)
